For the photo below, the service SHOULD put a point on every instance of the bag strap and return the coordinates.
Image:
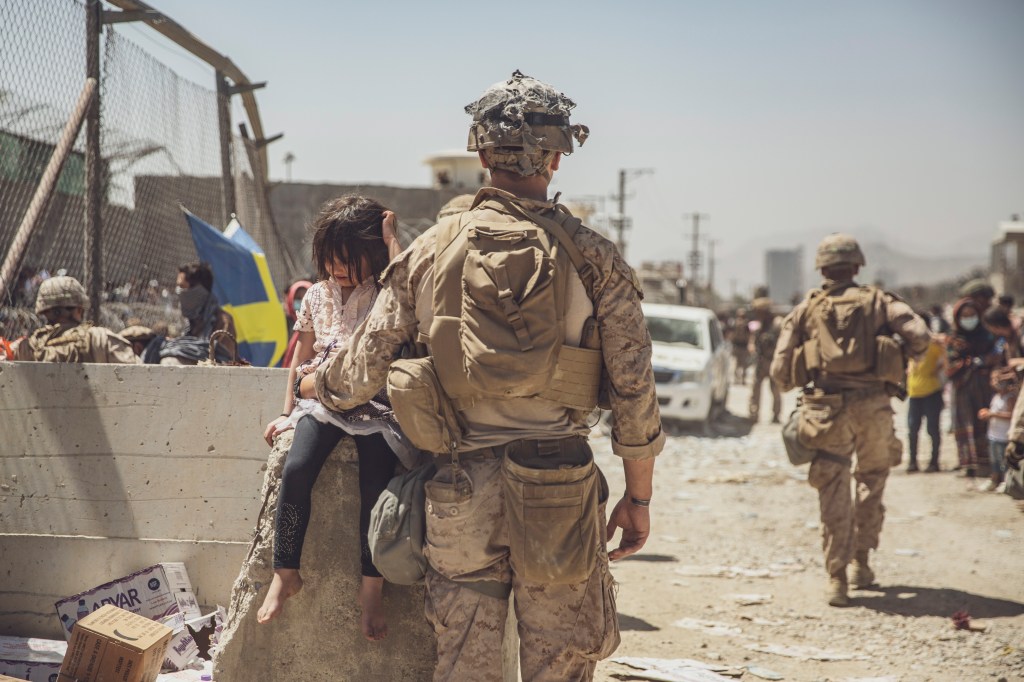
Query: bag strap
(563, 229)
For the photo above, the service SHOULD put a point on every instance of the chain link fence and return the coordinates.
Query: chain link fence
(160, 149)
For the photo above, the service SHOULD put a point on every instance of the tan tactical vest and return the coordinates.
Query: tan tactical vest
(61, 343)
(499, 297)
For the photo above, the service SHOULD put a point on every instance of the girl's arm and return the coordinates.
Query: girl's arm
(390, 231)
(303, 352)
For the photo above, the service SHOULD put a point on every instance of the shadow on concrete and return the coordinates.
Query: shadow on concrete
(905, 600)
(651, 558)
(636, 624)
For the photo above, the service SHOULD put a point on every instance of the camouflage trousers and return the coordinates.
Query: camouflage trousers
(863, 425)
(761, 375)
(563, 628)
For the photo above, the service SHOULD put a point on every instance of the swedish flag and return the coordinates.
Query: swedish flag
(242, 283)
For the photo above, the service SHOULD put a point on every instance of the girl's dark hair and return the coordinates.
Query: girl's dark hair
(346, 229)
(994, 317)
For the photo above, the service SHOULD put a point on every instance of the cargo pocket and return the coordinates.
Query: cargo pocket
(596, 635)
(817, 421)
(553, 524)
(450, 506)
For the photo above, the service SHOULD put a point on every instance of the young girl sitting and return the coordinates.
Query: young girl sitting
(354, 238)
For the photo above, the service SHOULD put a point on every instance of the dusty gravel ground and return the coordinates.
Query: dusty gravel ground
(733, 505)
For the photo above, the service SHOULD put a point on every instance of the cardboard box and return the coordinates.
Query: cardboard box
(159, 593)
(114, 645)
(28, 658)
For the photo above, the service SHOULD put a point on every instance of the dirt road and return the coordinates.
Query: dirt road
(734, 523)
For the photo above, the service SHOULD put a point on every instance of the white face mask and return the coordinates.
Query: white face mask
(969, 323)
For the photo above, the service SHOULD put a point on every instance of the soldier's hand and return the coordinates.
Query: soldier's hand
(1014, 454)
(389, 229)
(635, 523)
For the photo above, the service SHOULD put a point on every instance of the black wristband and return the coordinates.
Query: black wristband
(286, 414)
(638, 502)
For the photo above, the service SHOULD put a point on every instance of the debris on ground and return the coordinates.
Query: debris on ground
(675, 670)
(764, 673)
(750, 599)
(709, 627)
(805, 653)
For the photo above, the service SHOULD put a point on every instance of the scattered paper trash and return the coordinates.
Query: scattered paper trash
(708, 627)
(672, 669)
(1002, 533)
(904, 551)
(805, 653)
(764, 673)
(111, 643)
(750, 599)
(724, 572)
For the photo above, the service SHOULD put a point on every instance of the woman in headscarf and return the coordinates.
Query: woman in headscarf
(970, 356)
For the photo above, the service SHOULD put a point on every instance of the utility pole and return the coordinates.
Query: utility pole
(227, 177)
(711, 267)
(695, 255)
(621, 222)
(289, 159)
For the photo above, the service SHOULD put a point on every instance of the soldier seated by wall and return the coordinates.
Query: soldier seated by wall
(65, 337)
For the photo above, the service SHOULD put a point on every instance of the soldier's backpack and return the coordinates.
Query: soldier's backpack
(58, 343)
(847, 336)
(500, 290)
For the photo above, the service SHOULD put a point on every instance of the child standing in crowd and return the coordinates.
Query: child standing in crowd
(924, 388)
(354, 239)
(998, 415)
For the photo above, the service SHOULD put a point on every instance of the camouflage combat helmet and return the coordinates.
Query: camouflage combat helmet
(838, 249)
(523, 113)
(61, 292)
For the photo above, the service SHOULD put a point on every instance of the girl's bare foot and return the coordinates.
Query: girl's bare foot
(371, 600)
(286, 583)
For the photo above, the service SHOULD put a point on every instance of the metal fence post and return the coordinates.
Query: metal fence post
(227, 178)
(93, 237)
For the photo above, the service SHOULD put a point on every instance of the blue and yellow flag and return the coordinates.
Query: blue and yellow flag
(242, 283)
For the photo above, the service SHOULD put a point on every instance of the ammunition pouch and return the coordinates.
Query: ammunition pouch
(422, 407)
(817, 418)
(553, 513)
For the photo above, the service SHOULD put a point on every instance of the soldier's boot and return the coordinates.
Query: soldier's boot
(837, 588)
(862, 576)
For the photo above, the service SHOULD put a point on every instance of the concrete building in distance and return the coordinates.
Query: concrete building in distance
(456, 170)
(1007, 266)
(783, 270)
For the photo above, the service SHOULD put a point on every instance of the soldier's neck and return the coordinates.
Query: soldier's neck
(534, 187)
(829, 283)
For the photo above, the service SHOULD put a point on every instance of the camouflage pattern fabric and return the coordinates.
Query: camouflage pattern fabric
(403, 310)
(564, 629)
(77, 343)
(864, 426)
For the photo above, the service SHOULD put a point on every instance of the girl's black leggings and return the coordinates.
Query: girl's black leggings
(312, 443)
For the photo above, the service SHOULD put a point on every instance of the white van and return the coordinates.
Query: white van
(691, 361)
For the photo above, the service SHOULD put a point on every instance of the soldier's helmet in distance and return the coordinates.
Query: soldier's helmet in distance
(838, 249)
(526, 113)
(61, 292)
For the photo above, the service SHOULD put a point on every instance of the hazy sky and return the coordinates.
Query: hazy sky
(778, 119)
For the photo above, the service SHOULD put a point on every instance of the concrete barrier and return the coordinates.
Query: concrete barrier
(106, 469)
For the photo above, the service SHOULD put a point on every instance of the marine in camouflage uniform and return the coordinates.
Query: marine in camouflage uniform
(62, 301)
(849, 413)
(763, 343)
(564, 628)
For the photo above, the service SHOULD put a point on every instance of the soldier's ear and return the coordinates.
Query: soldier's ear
(556, 161)
(483, 160)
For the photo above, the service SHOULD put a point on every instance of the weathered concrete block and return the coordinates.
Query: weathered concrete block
(318, 636)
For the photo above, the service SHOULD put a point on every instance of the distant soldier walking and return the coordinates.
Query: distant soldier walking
(838, 345)
(762, 342)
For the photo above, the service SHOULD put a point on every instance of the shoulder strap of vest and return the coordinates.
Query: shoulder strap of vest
(563, 228)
